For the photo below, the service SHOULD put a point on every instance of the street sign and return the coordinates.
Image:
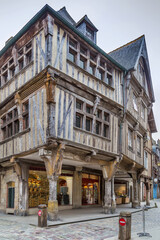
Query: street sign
(39, 213)
(122, 222)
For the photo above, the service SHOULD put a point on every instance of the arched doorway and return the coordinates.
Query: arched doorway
(11, 194)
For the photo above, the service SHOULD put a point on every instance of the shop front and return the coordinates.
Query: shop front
(39, 187)
(121, 191)
(90, 189)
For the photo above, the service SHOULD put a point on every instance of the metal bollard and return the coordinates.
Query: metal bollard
(42, 215)
(144, 234)
(124, 226)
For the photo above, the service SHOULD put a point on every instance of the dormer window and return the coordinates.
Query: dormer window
(87, 28)
(89, 33)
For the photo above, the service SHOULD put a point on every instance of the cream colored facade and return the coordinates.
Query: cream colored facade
(65, 109)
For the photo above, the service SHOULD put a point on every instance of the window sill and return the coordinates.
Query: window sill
(100, 81)
(93, 134)
(16, 135)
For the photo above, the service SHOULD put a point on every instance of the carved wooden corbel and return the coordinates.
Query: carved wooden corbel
(89, 156)
(109, 169)
(53, 161)
(50, 84)
(17, 98)
(17, 169)
(96, 103)
(136, 127)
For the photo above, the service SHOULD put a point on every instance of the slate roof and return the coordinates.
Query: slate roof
(86, 19)
(63, 12)
(127, 55)
(152, 123)
(54, 13)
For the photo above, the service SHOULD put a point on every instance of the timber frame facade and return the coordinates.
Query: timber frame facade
(65, 113)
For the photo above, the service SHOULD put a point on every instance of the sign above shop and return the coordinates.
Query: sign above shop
(122, 222)
(44, 152)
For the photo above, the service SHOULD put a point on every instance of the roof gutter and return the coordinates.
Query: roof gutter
(45, 9)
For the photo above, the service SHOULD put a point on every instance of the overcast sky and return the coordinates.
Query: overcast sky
(118, 21)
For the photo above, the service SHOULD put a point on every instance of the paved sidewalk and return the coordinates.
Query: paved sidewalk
(73, 215)
(19, 228)
(155, 235)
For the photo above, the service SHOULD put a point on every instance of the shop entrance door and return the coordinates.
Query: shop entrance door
(90, 189)
(11, 193)
(155, 191)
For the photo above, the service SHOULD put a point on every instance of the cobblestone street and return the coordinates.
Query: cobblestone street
(92, 230)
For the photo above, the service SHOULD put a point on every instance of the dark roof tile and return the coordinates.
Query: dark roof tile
(127, 55)
(86, 19)
(63, 12)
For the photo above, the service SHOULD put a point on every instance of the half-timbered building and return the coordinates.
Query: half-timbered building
(138, 123)
(71, 116)
(61, 101)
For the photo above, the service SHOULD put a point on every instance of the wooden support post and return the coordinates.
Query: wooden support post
(77, 188)
(147, 194)
(50, 84)
(18, 103)
(135, 202)
(109, 197)
(22, 171)
(113, 203)
(53, 163)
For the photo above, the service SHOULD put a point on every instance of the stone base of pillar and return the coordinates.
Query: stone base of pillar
(113, 207)
(21, 213)
(148, 198)
(53, 210)
(107, 209)
(135, 204)
(147, 203)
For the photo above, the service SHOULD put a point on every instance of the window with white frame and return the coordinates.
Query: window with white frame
(138, 146)
(145, 159)
(7, 71)
(130, 139)
(135, 102)
(72, 51)
(84, 119)
(142, 111)
(10, 124)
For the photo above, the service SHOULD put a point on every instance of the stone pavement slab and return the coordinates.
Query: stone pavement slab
(72, 215)
(91, 230)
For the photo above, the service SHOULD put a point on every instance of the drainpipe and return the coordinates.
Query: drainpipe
(124, 109)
